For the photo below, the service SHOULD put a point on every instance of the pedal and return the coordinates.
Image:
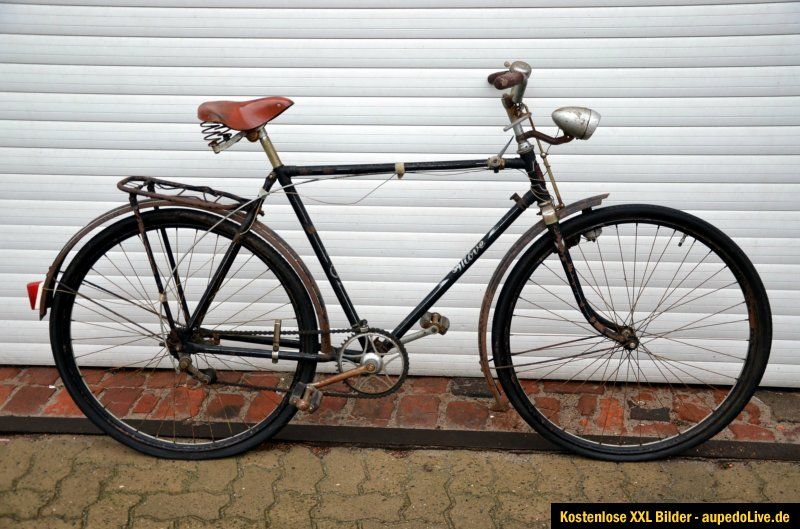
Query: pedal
(306, 397)
(434, 319)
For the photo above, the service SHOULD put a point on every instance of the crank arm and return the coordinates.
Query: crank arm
(307, 397)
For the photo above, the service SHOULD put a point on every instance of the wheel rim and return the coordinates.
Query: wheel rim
(118, 332)
(684, 302)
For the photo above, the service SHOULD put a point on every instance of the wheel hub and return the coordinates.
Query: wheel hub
(631, 341)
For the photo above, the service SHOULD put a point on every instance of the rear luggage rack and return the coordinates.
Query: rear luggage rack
(181, 194)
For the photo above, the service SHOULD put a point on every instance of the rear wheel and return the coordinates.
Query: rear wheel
(701, 320)
(109, 335)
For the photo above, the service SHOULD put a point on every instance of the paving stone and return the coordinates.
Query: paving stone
(515, 474)
(142, 522)
(401, 489)
(28, 400)
(408, 524)
(62, 405)
(472, 473)
(39, 376)
(45, 471)
(418, 411)
(163, 506)
(292, 510)
(425, 488)
(466, 415)
(252, 492)
(738, 482)
(430, 385)
(690, 480)
(8, 374)
(514, 524)
(750, 432)
(77, 491)
(105, 451)
(530, 511)
(344, 471)
(5, 391)
(15, 460)
(387, 472)
(604, 482)
(470, 387)
(377, 412)
(335, 524)
(111, 511)
(771, 416)
(164, 477)
(785, 405)
(781, 480)
(48, 522)
(645, 482)
(558, 475)
(22, 503)
(302, 471)
(266, 456)
(228, 523)
(213, 476)
(354, 508)
(469, 512)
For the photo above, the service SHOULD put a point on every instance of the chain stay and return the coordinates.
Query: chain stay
(276, 389)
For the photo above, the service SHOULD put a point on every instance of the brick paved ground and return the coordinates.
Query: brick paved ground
(92, 482)
(423, 402)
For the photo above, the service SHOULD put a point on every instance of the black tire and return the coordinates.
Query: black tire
(579, 434)
(138, 433)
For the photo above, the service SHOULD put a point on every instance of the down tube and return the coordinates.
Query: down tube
(464, 264)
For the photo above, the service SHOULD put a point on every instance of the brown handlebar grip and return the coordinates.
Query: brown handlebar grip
(495, 75)
(507, 80)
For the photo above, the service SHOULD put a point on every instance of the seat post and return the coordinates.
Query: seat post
(268, 147)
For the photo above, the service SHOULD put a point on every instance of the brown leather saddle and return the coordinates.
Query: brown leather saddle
(243, 115)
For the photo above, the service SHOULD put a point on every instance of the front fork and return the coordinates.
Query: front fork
(607, 328)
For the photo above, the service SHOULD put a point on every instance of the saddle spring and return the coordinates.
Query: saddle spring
(215, 133)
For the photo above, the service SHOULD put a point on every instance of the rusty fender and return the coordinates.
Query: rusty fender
(272, 238)
(491, 289)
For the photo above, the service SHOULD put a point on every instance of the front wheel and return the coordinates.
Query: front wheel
(702, 328)
(110, 336)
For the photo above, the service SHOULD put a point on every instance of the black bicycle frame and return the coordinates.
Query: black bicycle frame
(283, 175)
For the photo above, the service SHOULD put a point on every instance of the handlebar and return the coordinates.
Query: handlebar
(515, 77)
(503, 80)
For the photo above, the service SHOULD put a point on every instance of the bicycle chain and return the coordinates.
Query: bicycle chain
(343, 394)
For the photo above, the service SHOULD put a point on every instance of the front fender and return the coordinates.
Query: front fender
(491, 289)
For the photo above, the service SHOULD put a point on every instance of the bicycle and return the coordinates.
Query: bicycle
(186, 328)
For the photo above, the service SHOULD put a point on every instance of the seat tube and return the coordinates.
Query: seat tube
(269, 148)
(319, 248)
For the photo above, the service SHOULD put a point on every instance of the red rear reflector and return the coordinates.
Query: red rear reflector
(33, 293)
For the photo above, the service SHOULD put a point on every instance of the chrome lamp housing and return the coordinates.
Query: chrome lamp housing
(578, 122)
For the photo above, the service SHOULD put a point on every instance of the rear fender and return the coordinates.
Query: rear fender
(272, 238)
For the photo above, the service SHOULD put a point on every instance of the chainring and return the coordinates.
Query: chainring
(374, 343)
